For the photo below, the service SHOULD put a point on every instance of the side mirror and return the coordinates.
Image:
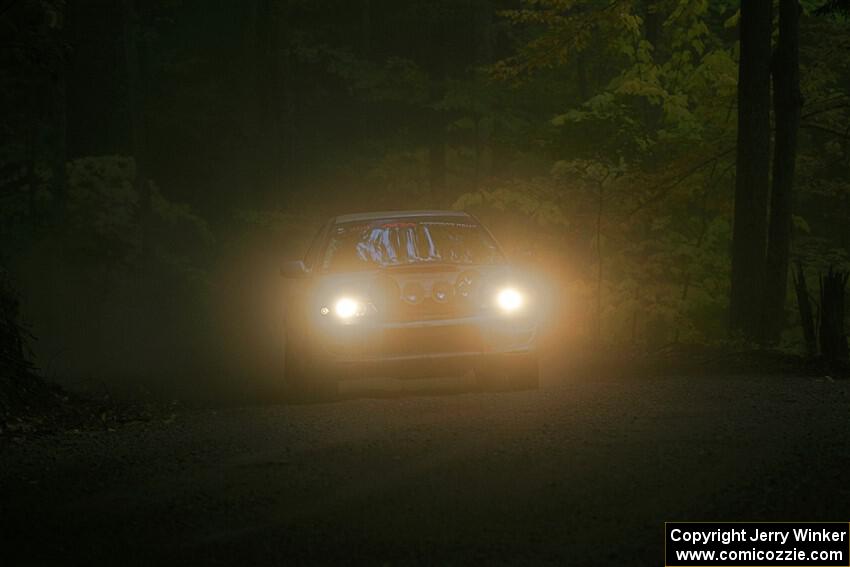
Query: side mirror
(294, 269)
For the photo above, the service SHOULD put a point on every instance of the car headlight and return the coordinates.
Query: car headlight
(347, 308)
(510, 300)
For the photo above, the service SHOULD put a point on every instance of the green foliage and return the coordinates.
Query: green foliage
(102, 208)
(568, 27)
(637, 164)
(661, 106)
(534, 200)
(279, 223)
(103, 224)
(597, 135)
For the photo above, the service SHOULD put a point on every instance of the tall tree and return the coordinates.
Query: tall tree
(787, 102)
(437, 150)
(59, 108)
(135, 98)
(269, 93)
(749, 238)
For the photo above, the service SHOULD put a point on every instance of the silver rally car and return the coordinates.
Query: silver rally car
(408, 294)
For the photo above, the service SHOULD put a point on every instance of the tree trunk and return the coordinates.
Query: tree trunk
(484, 33)
(787, 102)
(833, 339)
(653, 23)
(36, 142)
(364, 117)
(273, 103)
(59, 106)
(13, 360)
(365, 28)
(269, 103)
(806, 319)
(581, 76)
(135, 98)
(437, 124)
(32, 186)
(437, 162)
(752, 170)
(599, 259)
(252, 99)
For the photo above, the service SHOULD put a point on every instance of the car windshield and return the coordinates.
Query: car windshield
(399, 242)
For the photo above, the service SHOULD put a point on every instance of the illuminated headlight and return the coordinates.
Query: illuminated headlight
(509, 300)
(347, 308)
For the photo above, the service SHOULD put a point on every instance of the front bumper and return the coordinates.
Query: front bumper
(423, 348)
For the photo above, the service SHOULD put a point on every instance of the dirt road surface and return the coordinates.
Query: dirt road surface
(582, 472)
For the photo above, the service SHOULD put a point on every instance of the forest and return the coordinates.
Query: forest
(680, 168)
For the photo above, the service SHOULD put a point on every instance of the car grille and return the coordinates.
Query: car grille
(408, 297)
(427, 310)
(431, 340)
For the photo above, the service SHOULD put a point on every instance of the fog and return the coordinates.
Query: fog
(161, 160)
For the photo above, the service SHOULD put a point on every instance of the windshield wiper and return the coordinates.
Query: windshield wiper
(428, 266)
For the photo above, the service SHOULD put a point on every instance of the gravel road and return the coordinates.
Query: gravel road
(582, 472)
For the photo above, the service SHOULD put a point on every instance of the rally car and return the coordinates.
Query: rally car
(408, 294)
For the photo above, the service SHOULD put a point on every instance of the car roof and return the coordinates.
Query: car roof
(380, 215)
